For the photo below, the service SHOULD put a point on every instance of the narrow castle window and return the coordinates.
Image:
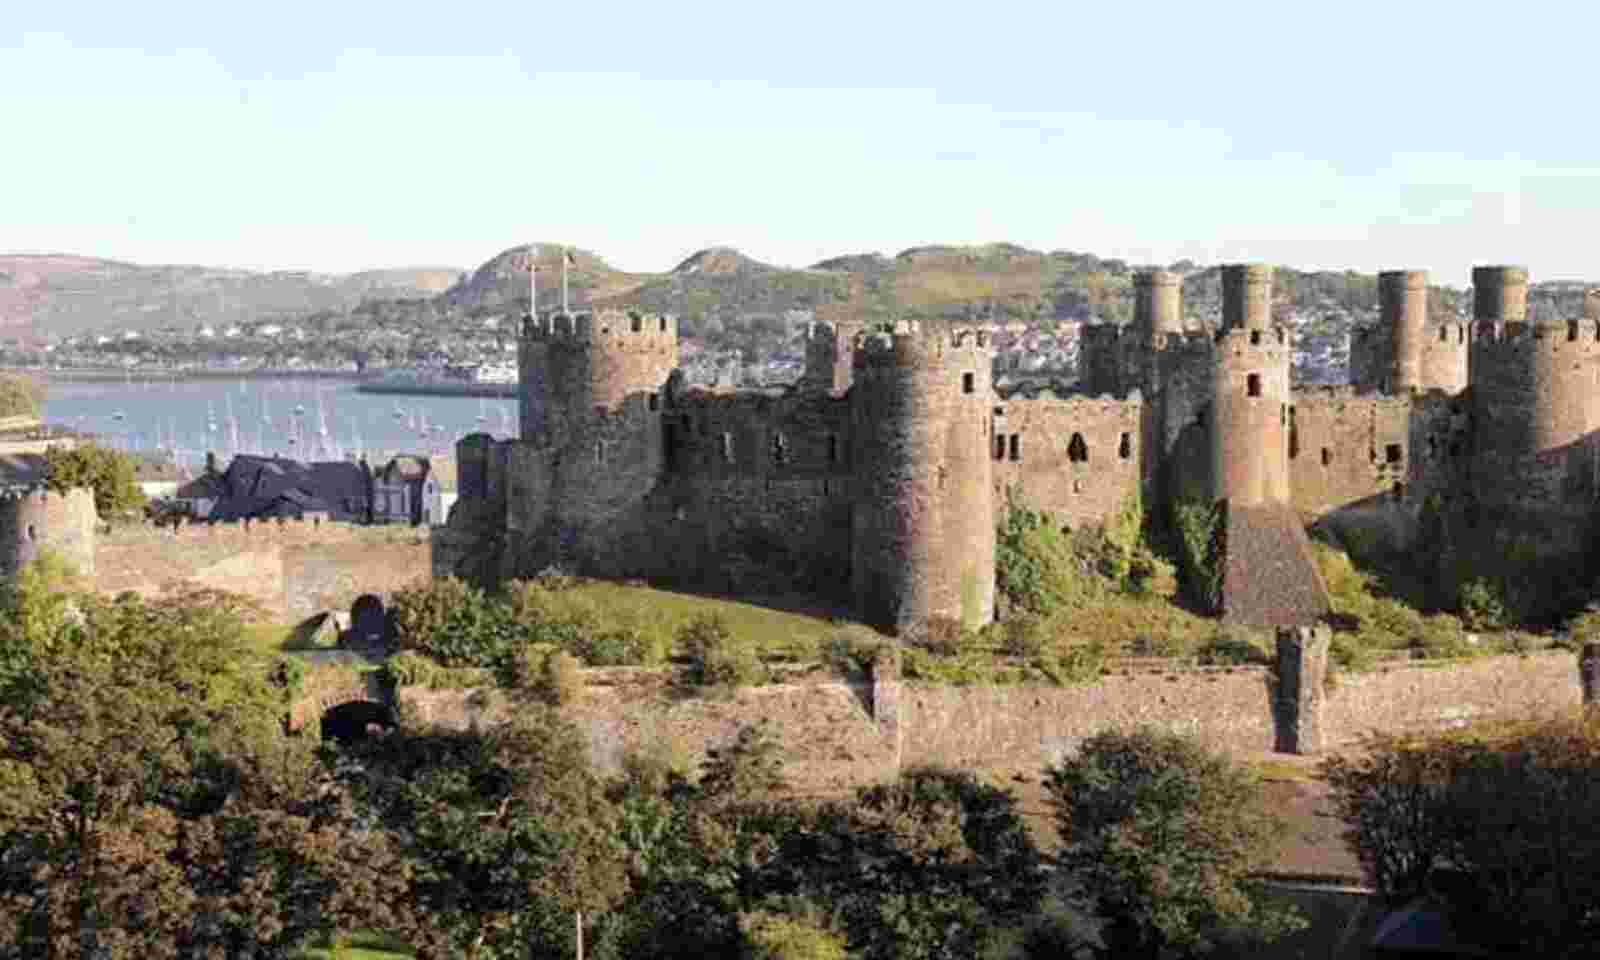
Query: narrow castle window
(999, 411)
(833, 448)
(663, 324)
(1444, 334)
(1255, 338)
(1252, 385)
(1392, 453)
(1016, 446)
(968, 382)
(1125, 447)
(654, 403)
(727, 447)
(1399, 491)
(1572, 330)
(33, 533)
(1327, 456)
(599, 451)
(780, 450)
(636, 323)
(999, 446)
(1294, 436)
(1077, 450)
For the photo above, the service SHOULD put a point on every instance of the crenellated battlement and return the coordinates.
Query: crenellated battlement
(910, 346)
(1581, 334)
(612, 328)
(1057, 393)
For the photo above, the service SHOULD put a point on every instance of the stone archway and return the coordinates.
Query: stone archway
(356, 719)
(359, 688)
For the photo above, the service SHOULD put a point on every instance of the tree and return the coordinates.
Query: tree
(150, 804)
(508, 833)
(1164, 834)
(108, 473)
(922, 867)
(1507, 807)
(19, 397)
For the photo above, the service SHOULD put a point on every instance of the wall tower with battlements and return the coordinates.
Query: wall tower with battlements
(1250, 393)
(1534, 390)
(922, 527)
(32, 521)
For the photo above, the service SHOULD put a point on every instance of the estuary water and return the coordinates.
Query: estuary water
(307, 419)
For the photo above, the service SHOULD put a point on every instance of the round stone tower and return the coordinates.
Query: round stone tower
(1534, 398)
(1246, 296)
(1403, 308)
(595, 365)
(1250, 394)
(1157, 303)
(38, 520)
(923, 527)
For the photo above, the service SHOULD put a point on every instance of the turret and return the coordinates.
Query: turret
(1157, 303)
(923, 536)
(829, 356)
(1533, 397)
(36, 520)
(1246, 296)
(606, 363)
(1403, 308)
(1250, 394)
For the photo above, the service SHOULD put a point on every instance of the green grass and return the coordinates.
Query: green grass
(360, 946)
(784, 629)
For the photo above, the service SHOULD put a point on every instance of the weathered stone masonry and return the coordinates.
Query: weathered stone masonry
(877, 478)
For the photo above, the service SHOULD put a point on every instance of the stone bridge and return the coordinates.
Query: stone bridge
(369, 697)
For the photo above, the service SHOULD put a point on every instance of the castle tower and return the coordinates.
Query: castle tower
(1157, 303)
(1534, 398)
(923, 537)
(37, 520)
(829, 356)
(1246, 296)
(1250, 394)
(1403, 309)
(532, 377)
(600, 365)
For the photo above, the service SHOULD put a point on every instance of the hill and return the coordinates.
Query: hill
(63, 294)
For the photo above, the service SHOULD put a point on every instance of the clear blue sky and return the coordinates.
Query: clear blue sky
(335, 136)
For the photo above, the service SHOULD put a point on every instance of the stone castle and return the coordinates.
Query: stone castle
(878, 479)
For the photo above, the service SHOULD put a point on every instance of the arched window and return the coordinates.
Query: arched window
(1125, 446)
(780, 449)
(1077, 450)
(1252, 385)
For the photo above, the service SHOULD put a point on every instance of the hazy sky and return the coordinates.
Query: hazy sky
(335, 136)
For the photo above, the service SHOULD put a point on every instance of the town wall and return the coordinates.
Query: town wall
(837, 735)
(294, 569)
(1077, 457)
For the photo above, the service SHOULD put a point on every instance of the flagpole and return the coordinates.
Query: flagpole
(565, 254)
(533, 281)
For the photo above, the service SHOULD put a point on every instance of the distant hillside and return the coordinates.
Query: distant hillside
(502, 281)
(64, 294)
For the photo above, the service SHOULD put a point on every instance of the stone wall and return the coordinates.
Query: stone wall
(294, 569)
(837, 735)
(1077, 457)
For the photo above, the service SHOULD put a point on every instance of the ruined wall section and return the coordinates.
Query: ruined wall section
(1178, 410)
(38, 520)
(1078, 457)
(922, 531)
(1349, 448)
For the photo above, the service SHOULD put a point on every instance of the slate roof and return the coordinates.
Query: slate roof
(255, 486)
(21, 471)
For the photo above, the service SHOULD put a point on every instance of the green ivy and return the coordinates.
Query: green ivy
(1202, 540)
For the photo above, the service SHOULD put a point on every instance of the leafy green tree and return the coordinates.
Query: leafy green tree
(19, 396)
(107, 472)
(1508, 807)
(919, 868)
(1164, 834)
(150, 805)
(508, 833)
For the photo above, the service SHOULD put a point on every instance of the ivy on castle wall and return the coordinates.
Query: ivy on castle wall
(1202, 530)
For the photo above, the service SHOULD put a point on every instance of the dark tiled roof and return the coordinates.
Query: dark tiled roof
(1271, 577)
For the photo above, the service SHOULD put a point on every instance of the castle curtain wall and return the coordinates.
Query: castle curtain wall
(1077, 457)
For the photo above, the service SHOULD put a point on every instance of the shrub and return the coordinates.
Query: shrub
(1025, 635)
(1202, 532)
(1231, 646)
(1482, 605)
(1073, 663)
(852, 653)
(942, 636)
(788, 935)
(109, 473)
(716, 657)
(408, 669)
(452, 622)
(560, 679)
